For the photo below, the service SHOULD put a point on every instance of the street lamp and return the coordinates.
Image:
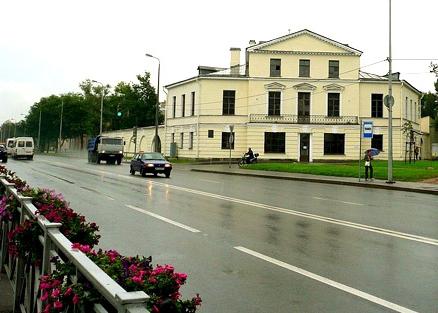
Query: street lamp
(157, 143)
(389, 104)
(39, 131)
(60, 124)
(101, 105)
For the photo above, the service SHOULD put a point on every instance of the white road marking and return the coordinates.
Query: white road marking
(334, 200)
(383, 231)
(327, 281)
(164, 219)
(373, 229)
(211, 181)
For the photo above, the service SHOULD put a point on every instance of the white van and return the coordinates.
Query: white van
(10, 143)
(23, 148)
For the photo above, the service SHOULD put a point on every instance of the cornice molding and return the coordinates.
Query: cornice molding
(303, 52)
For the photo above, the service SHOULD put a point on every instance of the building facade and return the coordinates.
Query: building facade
(300, 97)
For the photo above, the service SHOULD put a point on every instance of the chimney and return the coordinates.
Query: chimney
(235, 60)
(252, 42)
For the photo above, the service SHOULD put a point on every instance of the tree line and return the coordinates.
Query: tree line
(126, 105)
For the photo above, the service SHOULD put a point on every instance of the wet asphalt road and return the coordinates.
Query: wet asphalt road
(261, 245)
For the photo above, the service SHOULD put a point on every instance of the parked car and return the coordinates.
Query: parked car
(3, 154)
(150, 162)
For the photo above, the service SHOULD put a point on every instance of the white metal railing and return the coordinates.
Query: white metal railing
(24, 275)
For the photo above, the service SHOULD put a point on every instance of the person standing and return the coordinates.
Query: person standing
(368, 166)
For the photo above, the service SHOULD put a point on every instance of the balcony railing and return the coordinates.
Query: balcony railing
(311, 119)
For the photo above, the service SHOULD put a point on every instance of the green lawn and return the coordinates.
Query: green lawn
(402, 171)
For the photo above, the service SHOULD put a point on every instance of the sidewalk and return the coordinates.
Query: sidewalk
(347, 181)
(5, 294)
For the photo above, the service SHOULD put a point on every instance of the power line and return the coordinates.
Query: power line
(432, 59)
(287, 88)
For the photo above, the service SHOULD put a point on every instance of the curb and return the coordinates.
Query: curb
(324, 181)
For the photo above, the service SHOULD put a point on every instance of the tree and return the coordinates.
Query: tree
(429, 105)
(147, 94)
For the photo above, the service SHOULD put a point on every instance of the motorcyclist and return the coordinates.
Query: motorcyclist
(249, 156)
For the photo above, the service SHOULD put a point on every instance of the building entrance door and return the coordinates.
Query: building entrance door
(304, 147)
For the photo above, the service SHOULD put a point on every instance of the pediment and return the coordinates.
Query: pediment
(305, 40)
(305, 86)
(275, 86)
(333, 87)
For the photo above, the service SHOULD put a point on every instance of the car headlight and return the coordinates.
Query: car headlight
(149, 165)
(167, 165)
(103, 151)
(120, 152)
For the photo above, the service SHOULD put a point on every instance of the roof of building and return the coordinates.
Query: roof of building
(263, 44)
(364, 76)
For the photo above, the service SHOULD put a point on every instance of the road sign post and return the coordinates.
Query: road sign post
(366, 132)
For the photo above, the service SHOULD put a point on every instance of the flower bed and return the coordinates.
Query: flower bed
(58, 291)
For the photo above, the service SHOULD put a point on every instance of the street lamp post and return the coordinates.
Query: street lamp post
(157, 143)
(101, 105)
(60, 125)
(390, 104)
(39, 131)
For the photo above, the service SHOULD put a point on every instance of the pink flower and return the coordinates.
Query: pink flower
(76, 299)
(45, 296)
(45, 286)
(152, 280)
(47, 308)
(137, 280)
(68, 292)
(133, 268)
(197, 300)
(55, 293)
(82, 248)
(58, 305)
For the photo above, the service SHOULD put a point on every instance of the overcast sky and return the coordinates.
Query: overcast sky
(49, 47)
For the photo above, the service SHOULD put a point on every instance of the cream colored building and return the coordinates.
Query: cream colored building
(301, 96)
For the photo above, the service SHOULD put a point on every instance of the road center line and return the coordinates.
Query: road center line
(164, 219)
(327, 281)
(334, 200)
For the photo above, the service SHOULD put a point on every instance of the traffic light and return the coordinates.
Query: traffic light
(119, 112)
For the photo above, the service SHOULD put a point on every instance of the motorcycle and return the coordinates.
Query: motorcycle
(244, 161)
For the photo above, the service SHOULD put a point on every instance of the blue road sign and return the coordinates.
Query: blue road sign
(367, 129)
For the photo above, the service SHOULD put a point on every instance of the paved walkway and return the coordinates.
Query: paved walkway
(349, 181)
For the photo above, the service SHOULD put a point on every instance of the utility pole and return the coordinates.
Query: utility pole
(60, 125)
(390, 103)
(39, 131)
(101, 105)
(157, 145)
